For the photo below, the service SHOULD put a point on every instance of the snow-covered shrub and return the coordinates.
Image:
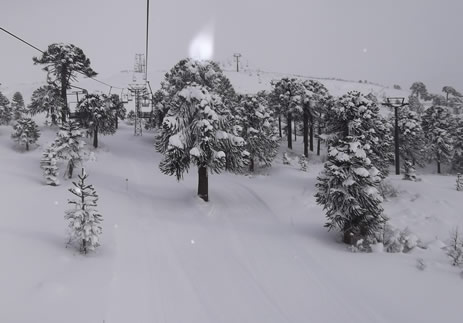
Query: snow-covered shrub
(303, 163)
(84, 219)
(455, 248)
(409, 171)
(130, 120)
(48, 164)
(421, 264)
(387, 190)
(396, 240)
(459, 182)
(286, 159)
(26, 132)
(6, 114)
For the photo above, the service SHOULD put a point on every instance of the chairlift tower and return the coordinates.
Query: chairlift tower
(139, 91)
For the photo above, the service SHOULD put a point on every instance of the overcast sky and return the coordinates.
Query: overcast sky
(393, 41)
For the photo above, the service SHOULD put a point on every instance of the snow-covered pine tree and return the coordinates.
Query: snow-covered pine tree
(457, 160)
(68, 145)
(96, 116)
(63, 62)
(131, 118)
(459, 182)
(303, 163)
(117, 107)
(314, 97)
(411, 139)
(194, 131)
(437, 123)
(84, 220)
(6, 114)
(409, 171)
(18, 106)
(48, 164)
(46, 99)
(358, 116)
(415, 105)
(26, 132)
(287, 99)
(347, 189)
(254, 117)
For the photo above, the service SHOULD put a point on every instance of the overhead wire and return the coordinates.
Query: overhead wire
(38, 49)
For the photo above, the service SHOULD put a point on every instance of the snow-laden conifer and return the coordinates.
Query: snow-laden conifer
(437, 125)
(68, 145)
(25, 132)
(259, 130)
(6, 114)
(84, 220)
(48, 163)
(347, 189)
(457, 159)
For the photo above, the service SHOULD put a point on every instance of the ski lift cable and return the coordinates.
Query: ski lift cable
(38, 49)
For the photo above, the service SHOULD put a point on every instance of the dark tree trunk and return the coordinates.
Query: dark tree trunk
(318, 139)
(70, 168)
(203, 185)
(289, 131)
(27, 145)
(84, 246)
(295, 131)
(306, 133)
(95, 137)
(279, 125)
(251, 165)
(438, 163)
(64, 86)
(117, 122)
(311, 132)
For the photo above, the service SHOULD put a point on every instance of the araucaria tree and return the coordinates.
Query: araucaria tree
(347, 187)
(84, 220)
(258, 129)
(25, 132)
(63, 62)
(49, 165)
(18, 106)
(457, 160)
(411, 142)
(287, 99)
(196, 128)
(5, 110)
(46, 99)
(68, 145)
(96, 116)
(437, 124)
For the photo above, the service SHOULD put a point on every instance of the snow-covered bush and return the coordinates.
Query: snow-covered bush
(459, 182)
(25, 132)
(455, 248)
(46, 99)
(387, 190)
(84, 219)
(303, 163)
(396, 240)
(409, 171)
(286, 159)
(48, 164)
(130, 120)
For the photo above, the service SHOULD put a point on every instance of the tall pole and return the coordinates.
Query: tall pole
(237, 57)
(396, 139)
(147, 33)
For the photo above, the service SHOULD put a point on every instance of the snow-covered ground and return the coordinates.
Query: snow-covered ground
(257, 252)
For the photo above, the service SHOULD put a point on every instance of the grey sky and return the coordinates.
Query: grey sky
(394, 41)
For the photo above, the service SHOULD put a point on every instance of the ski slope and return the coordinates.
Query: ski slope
(257, 252)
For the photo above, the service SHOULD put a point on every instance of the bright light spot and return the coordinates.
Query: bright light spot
(192, 242)
(202, 46)
(365, 50)
(56, 202)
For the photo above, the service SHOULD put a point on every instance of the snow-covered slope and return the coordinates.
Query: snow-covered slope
(257, 252)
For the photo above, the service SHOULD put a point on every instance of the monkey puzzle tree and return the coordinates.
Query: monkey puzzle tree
(46, 99)
(63, 62)
(196, 128)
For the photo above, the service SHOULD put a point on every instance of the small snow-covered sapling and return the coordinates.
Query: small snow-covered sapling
(459, 182)
(286, 159)
(304, 163)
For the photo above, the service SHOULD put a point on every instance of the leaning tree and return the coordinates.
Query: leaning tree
(196, 129)
(63, 62)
